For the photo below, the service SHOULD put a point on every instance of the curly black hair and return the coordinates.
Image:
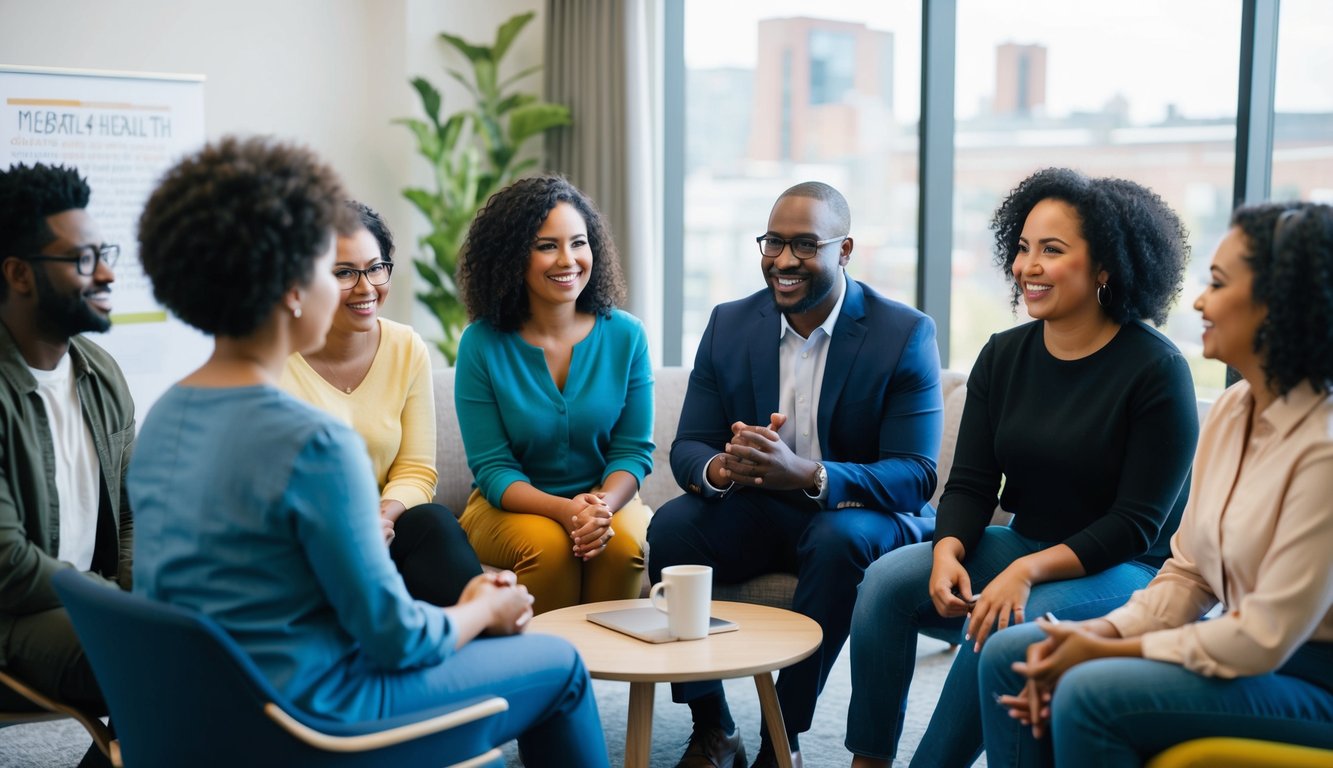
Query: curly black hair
(28, 194)
(371, 221)
(1291, 253)
(233, 226)
(1131, 233)
(494, 259)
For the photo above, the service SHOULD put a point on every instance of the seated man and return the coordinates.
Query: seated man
(66, 430)
(807, 444)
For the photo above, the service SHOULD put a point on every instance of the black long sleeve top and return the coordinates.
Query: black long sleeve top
(1093, 453)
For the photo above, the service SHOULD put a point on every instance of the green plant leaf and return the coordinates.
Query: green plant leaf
(513, 101)
(474, 53)
(492, 133)
(466, 83)
(504, 37)
(423, 200)
(428, 138)
(429, 275)
(514, 78)
(484, 71)
(430, 99)
(453, 128)
(532, 119)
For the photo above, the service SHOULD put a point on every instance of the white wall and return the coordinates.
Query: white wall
(330, 73)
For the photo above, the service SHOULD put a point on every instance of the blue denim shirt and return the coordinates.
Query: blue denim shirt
(261, 511)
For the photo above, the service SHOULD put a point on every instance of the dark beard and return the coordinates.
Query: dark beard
(65, 315)
(817, 288)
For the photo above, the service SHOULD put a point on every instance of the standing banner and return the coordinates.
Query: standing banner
(122, 130)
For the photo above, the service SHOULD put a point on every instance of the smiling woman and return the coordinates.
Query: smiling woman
(375, 375)
(554, 398)
(1085, 419)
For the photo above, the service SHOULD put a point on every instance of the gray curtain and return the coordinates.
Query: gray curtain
(603, 62)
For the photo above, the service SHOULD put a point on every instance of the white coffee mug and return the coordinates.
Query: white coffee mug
(687, 591)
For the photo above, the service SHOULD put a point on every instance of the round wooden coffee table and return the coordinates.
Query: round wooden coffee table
(768, 639)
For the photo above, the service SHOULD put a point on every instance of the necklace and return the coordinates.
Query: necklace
(357, 362)
(326, 373)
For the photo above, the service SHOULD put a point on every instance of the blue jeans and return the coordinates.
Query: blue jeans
(750, 533)
(894, 605)
(1120, 712)
(552, 711)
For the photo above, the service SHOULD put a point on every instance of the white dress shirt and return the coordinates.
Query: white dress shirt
(801, 362)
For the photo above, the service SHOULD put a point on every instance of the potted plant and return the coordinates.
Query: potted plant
(473, 153)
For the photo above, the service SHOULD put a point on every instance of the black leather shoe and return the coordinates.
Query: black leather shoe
(768, 759)
(713, 748)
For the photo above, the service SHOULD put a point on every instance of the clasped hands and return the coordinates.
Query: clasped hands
(589, 524)
(1066, 644)
(757, 457)
(508, 603)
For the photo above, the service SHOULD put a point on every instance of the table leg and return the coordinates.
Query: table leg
(772, 711)
(639, 729)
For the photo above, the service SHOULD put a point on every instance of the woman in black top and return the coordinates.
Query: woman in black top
(1082, 424)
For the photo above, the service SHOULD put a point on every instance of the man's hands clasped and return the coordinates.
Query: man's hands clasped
(757, 457)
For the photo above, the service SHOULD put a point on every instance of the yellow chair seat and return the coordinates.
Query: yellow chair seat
(1241, 753)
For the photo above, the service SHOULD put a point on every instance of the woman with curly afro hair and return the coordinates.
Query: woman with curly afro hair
(554, 395)
(1081, 424)
(260, 510)
(1255, 539)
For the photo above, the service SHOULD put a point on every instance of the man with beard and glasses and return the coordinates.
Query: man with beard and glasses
(807, 445)
(66, 431)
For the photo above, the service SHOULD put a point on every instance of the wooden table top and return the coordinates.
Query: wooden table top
(768, 639)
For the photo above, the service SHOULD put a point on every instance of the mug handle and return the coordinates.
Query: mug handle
(657, 591)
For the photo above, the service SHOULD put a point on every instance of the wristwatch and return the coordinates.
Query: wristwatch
(821, 480)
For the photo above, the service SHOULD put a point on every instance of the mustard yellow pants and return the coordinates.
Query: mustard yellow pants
(539, 551)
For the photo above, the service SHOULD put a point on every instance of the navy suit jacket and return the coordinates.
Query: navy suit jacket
(880, 409)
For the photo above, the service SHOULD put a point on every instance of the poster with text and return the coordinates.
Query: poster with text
(122, 131)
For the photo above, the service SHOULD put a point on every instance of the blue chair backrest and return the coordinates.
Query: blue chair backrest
(182, 692)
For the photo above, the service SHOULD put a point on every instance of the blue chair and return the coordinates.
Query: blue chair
(181, 692)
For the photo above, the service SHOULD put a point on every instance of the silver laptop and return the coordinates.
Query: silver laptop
(650, 625)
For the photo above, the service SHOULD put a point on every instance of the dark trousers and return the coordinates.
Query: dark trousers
(432, 554)
(42, 651)
(750, 533)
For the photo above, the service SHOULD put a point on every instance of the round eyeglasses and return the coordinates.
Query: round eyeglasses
(802, 248)
(376, 274)
(84, 258)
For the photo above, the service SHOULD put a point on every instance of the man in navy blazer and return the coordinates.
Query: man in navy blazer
(807, 444)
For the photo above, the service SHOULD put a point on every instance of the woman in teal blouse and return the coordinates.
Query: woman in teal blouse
(554, 395)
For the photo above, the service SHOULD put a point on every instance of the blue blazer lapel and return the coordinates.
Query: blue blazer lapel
(764, 372)
(849, 334)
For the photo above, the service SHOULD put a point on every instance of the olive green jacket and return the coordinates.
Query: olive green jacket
(29, 505)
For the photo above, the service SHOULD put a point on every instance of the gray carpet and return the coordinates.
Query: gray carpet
(61, 744)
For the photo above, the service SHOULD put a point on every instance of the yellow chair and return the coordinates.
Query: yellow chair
(1241, 753)
(50, 709)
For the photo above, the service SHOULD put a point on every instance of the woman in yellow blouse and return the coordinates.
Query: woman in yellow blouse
(1255, 538)
(375, 374)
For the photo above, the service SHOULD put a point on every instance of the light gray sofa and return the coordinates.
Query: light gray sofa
(669, 385)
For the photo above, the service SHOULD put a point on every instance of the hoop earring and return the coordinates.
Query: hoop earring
(1104, 296)
(296, 311)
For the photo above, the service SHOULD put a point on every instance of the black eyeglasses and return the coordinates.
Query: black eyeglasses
(801, 247)
(84, 258)
(376, 274)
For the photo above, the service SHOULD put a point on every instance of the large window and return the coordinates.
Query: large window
(1083, 85)
(1138, 89)
(1303, 125)
(783, 92)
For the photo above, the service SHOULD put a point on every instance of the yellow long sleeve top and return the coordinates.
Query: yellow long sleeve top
(393, 409)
